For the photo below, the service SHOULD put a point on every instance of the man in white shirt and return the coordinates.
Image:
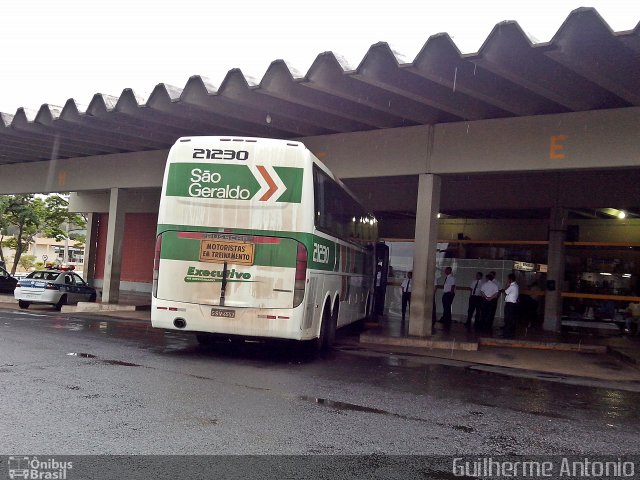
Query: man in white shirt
(406, 293)
(490, 293)
(510, 306)
(475, 300)
(449, 292)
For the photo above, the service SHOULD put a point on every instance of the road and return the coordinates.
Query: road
(97, 385)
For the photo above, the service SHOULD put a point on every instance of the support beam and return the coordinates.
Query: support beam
(90, 248)
(115, 236)
(424, 255)
(555, 273)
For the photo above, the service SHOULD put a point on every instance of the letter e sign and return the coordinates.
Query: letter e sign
(556, 147)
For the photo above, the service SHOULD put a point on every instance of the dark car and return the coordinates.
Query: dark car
(7, 282)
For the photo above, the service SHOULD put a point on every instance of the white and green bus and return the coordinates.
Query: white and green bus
(256, 238)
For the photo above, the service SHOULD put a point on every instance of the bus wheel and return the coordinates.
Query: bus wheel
(328, 329)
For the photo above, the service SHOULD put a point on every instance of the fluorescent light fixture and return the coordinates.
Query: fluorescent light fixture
(626, 275)
(605, 273)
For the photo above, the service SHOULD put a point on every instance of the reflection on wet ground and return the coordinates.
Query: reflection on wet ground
(475, 385)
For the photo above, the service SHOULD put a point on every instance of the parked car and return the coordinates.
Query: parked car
(54, 287)
(7, 282)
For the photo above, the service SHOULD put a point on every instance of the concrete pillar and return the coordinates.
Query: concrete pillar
(424, 255)
(90, 248)
(555, 272)
(113, 254)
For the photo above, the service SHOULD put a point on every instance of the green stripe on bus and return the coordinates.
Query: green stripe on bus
(308, 239)
(282, 254)
(292, 179)
(231, 182)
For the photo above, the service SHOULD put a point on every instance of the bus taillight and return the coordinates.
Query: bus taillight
(301, 275)
(156, 264)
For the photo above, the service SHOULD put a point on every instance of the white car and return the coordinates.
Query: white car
(54, 287)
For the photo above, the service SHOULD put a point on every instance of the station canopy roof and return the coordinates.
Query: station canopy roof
(585, 66)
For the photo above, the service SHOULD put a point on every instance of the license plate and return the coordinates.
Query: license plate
(219, 312)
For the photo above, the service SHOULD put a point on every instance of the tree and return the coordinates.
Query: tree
(4, 225)
(24, 213)
(58, 220)
(27, 262)
(24, 216)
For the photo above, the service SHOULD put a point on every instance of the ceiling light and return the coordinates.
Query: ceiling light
(626, 275)
(605, 273)
(438, 215)
(622, 214)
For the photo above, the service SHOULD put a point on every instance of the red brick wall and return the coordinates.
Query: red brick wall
(137, 248)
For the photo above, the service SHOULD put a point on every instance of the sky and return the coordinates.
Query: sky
(53, 51)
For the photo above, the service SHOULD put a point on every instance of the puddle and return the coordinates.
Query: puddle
(107, 362)
(462, 428)
(343, 406)
(608, 365)
(120, 363)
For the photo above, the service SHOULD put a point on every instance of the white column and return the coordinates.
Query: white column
(113, 254)
(555, 269)
(90, 248)
(424, 256)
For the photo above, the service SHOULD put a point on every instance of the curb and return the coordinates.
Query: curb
(529, 344)
(418, 342)
(623, 357)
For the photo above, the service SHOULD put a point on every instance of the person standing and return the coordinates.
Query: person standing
(490, 292)
(379, 292)
(475, 301)
(406, 294)
(449, 292)
(510, 306)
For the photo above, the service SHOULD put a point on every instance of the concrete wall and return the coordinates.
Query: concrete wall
(123, 170)
(597, 230)
(388, 152)
(602, 139)
(596, 139)
(138, 201)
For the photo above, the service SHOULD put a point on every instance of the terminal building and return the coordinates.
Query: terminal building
(521, 157)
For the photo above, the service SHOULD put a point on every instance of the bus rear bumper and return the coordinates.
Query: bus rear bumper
(242, 322)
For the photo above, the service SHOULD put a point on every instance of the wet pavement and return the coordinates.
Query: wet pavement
(109, 385)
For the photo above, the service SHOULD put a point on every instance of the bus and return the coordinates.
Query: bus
(257, 239)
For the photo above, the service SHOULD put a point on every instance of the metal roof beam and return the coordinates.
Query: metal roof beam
(86, 123)
(309, 122)
(9, 153)
(441, 62)
(21, 144)
(278, 82)
(327, 75)
(100, 112)
(586, 45)
(30, 133)
(79, 130)
(201, 95)
(508, 53)
(379, 67)
(129, 107)
(199, 120)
